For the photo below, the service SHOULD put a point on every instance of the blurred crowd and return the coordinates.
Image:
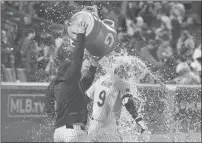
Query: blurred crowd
(162, 35)
(25, 59)
(165, 35)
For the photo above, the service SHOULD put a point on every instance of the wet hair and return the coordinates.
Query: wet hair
(120, 70)
(117, 69)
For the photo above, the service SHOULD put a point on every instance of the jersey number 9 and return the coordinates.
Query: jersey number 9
(102, 96)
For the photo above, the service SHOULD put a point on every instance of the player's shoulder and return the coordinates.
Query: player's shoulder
(124, 86)
(105, 81)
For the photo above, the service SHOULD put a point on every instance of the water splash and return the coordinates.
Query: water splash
(40, 132)
(135, 67)
(136, 71)
(127, 128)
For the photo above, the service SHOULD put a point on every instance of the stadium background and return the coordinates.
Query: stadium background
(167, 33)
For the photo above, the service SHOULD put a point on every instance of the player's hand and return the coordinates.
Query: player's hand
(140, 129)
(145, 136)
(82, 26)
(141, 126)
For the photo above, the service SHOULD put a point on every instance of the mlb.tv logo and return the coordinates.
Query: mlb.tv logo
(26, 105)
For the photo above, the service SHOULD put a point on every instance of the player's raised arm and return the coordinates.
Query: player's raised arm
(71, 70)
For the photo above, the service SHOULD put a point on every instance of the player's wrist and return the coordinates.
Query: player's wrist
(141, 122)
(81, 32)
(138, 119)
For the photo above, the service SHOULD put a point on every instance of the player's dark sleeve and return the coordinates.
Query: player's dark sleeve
(72, 70)
(88, 79)
(130, 105)
(132, 109)
(50, 100)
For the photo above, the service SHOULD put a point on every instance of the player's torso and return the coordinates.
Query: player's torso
(71, 104)
(101, 106)
(107, 101)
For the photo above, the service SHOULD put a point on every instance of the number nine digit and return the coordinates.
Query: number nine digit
(102, 98)
(109, 40)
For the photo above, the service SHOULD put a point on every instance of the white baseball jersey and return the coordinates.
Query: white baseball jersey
(107, 94)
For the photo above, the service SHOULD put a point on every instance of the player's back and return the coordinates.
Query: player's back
(107, 99)
(103, 97)
(103, 125)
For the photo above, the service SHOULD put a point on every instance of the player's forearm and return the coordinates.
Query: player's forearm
(130, 106)
(88, 79)
(79, 45)
(74, 69)
(132, 109)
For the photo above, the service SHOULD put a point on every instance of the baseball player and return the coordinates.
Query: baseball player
(110, 93)
(68, 90)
